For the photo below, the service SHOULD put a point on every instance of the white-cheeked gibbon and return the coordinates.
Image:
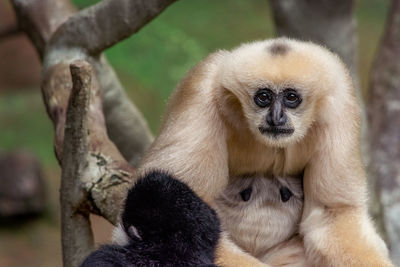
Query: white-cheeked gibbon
(275, 108)
(262, 216)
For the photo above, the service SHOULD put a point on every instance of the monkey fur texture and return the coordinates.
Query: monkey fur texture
(164, 223)
(262, 216)
(278, 107)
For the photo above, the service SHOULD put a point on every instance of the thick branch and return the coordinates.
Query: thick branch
(77, 236)
(106, 23)
(384, 117)
(40, 18)
(105, 167)
(108, 174)
(95, 177)
(126, 126)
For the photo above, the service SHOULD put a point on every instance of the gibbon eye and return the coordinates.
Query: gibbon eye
(291, 99)
(263, 98)
(246, 194)
(286, 194)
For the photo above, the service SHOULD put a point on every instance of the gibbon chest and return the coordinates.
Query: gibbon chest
(252, 158)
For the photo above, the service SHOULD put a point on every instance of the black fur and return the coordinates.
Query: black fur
(278, 48)
(174, 227)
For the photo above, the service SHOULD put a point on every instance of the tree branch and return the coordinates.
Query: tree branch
(106, 23)
(95, 177)
(384, 117)
(126, 126)
(77, 236)
(105, 166)
(40, 18)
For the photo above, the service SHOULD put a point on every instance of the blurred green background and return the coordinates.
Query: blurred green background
(149, 64)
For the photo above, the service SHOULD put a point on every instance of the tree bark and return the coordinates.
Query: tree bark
(384, 118)
(40, 19)
(88, 107)
(106, 23)
(77, 236)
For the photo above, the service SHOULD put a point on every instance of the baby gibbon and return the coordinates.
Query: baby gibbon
(262, 216)
(279, 107)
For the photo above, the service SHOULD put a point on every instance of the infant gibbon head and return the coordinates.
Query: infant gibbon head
(274, 88)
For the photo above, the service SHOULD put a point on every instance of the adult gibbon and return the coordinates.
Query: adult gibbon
(275, 108)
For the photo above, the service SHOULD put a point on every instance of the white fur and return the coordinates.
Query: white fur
(119, 236)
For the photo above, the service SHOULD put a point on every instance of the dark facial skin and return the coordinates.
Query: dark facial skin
(276, 118)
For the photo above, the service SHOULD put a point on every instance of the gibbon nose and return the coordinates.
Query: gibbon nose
(276, 116)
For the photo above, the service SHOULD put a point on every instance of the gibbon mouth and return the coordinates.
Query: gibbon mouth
(275, 130)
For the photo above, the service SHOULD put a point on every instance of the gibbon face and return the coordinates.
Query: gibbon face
(260, 212)
(276, 85)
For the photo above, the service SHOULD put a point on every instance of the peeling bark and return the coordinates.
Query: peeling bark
(384, 118)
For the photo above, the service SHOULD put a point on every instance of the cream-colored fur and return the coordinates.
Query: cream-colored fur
(264, 221)
(210, 133)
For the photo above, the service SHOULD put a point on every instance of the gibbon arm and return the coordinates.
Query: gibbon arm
(336, 227)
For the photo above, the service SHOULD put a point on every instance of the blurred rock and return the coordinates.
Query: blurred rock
(22, 191)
